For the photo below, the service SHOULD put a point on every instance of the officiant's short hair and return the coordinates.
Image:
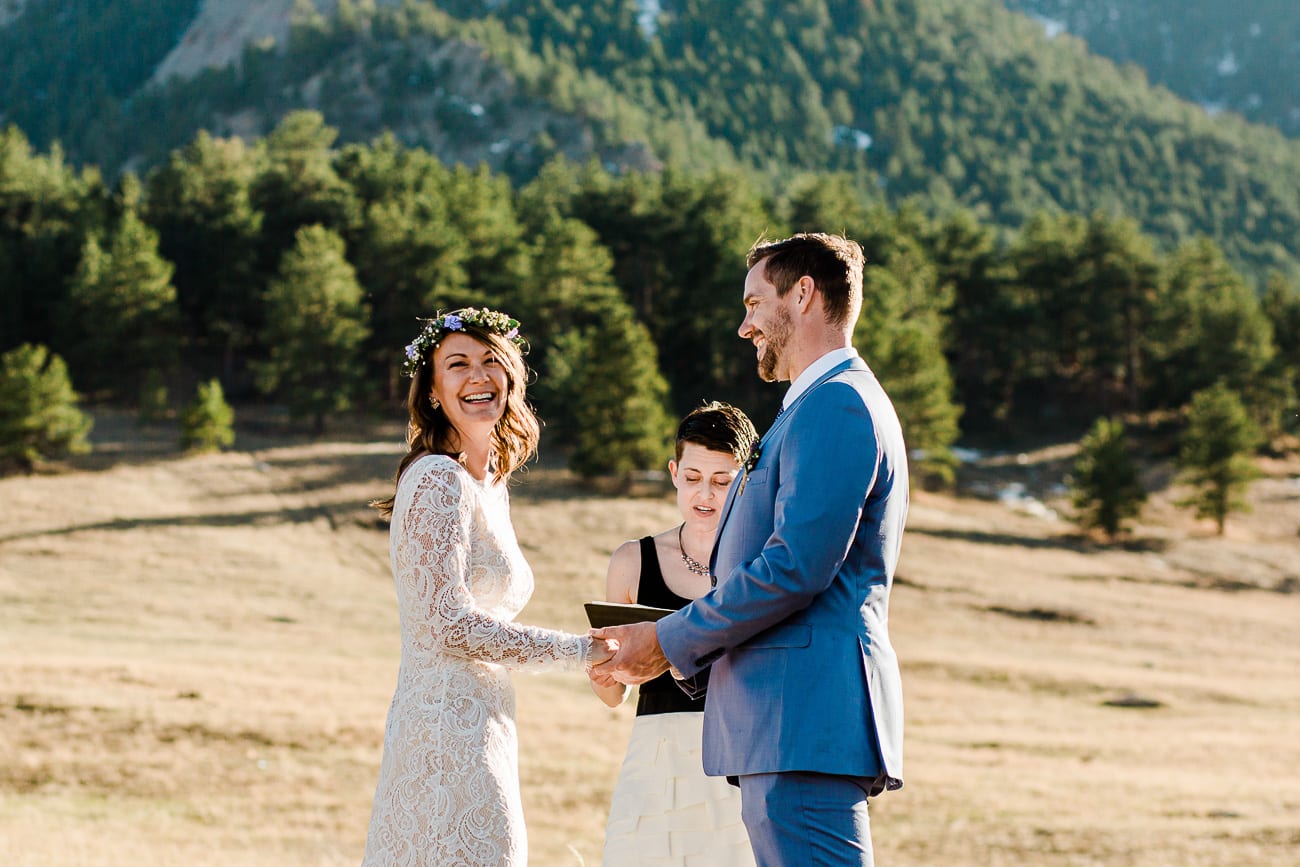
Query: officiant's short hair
(719, 427)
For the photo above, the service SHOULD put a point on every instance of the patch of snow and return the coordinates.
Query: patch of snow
(1016, 497)
(850, 137)
(648, 18)
(499, 146)
(1227, 65)
(1213, 108)
(1051, 26)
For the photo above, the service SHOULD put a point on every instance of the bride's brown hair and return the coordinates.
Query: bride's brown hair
(429, 431)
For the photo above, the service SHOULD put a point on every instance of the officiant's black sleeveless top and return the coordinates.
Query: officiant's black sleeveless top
(661, 695)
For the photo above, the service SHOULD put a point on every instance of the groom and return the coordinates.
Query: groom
(804, 704)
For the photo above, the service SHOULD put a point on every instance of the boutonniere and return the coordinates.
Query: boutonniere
(751, 461)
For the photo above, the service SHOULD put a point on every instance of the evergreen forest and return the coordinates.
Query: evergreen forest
(961, 103)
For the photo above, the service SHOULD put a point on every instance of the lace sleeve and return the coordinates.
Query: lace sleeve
(436, 565)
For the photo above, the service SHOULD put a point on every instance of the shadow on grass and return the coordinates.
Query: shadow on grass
(1062, 542)
(117, 439)
(1045, 615)
(336, 513)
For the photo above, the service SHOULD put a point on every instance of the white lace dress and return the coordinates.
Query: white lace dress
(448, 790)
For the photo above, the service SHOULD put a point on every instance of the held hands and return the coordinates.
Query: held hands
(601, 651)
(637, 655)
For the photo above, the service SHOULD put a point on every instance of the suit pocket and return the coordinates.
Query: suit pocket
(782, 635)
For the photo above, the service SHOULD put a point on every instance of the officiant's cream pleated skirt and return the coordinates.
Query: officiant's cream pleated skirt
(665, 812)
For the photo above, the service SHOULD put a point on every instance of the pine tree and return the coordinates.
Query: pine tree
(39, 418)
(409, 257)
(298, 185)
(1209, 327)
(900, 335)
(315, 326)
(986, 316)
(123, 309)
(46, 211)
(151, 403)
(208, 424)
(617, 394)
(563, 296)
(1281, 303)
(1216, 453)
(199, 202)
(1106, 486)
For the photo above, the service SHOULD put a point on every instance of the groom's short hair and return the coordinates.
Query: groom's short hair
(832, 261)
(719, 427)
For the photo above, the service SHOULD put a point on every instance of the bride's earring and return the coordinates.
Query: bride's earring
(434, 402)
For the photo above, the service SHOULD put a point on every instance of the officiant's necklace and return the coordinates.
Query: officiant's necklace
(695, 566)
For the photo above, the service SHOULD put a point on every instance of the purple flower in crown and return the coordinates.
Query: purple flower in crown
(417, 352)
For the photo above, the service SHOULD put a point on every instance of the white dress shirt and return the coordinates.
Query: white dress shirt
(814, 371)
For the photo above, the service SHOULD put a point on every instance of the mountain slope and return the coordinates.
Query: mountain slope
(957, 101)
(466, 90)
(1242, 57)
(53, 93)
(219, 33)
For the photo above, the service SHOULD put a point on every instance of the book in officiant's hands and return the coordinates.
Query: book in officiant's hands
(602, 614)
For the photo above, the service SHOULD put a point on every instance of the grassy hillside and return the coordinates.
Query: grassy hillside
(196, 656)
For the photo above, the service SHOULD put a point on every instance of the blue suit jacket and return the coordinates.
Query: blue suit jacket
(803, 674)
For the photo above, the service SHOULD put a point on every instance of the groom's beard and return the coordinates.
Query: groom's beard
(775, 337)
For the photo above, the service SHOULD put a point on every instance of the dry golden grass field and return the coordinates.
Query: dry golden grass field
(197, 653)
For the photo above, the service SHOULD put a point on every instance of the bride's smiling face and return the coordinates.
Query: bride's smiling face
(471, 383)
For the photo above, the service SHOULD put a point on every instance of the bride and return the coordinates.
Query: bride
(448, 791)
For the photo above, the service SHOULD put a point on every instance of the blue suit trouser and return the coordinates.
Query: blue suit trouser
(797, 819)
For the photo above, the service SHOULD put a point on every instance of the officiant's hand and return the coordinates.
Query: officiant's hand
(638, 656)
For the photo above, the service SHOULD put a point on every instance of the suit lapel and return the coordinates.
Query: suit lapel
(781, 419)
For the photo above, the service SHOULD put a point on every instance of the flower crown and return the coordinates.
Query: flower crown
(439, 327)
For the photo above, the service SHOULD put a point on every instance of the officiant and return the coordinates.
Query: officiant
(664, 809)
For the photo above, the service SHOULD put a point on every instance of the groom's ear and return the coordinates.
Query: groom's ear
(804, 290)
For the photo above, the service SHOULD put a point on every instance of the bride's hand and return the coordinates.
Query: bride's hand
(602, 650)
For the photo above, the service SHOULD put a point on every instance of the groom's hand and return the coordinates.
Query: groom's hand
(639, 657)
